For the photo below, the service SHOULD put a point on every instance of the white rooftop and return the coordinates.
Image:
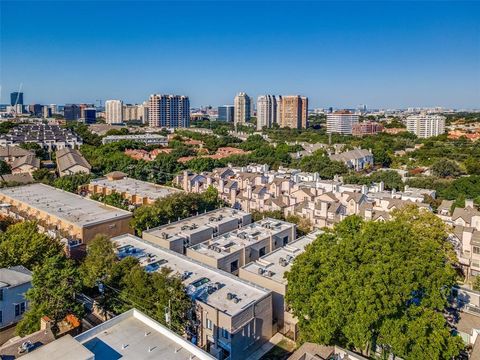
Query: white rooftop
(193, 224)
(199, 279)
(235, 240)
(130, 336)
(136, 187)
(65, 205)
(271, 265)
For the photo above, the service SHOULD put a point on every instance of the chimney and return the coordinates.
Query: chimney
(381, 186)
(364, 189)
(221, 185)
(469, 203)
(209, 180)
(45, 323)
(368, 214)
(249, 191)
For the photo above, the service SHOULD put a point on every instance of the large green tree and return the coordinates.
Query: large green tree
(22, 244)
(383, 283)
(99, 261)
(52, 294)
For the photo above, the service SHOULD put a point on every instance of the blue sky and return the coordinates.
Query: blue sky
(340, 54)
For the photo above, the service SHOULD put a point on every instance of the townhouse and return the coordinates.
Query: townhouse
(233, 317)
(14, 283)
(237, 248)
(177, 236)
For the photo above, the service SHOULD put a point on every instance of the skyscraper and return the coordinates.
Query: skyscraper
(90, 115)
(114, 111)
(242, 108)
(293, 111)
(266, 111)
(341, 122)
(226, 113)
(169, 111)
(16, 98)
(71, 112)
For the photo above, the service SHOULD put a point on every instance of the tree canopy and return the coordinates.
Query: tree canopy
(383, 283)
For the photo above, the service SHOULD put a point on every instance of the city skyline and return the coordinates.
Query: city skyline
(425, 54)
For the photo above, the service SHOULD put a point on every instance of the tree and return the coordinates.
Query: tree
(321, 163)
(472, 165)
(113, 199)
(22, 244)
(446, 168)
(52, 294)
(43, 175)
(4, 168)
(99, 261)
(71, 183)
(361, 284)
(35, 148)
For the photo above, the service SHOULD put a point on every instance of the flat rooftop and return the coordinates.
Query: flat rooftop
(199, 279)
(235, 240)
(64, 205)
(271, 265)
(131, 335)
(136, 187)
(185, 227)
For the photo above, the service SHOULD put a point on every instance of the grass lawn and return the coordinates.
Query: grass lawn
(281, 351)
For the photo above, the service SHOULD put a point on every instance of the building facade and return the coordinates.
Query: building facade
(114, 111)
(425, 126)
(266, 111)
(292, 111)
(14, 283)
(242, 108)
(90, 115)
(169, 111)
(16, 98)
(341, 122)
(71, 112)
(226, 113)
(366, 128)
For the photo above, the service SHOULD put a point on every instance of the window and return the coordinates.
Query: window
(234, 266)
(262, 251)
(476, 250)
(285, 240)
(209, 324)
(1, 294)
(19, 309)
(1, 317)
(225, 334)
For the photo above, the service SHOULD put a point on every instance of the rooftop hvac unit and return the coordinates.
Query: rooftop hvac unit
(236, 300)
(260, 271)
(230, 296)
(164, 235)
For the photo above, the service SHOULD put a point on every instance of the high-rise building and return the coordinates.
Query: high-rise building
(169, 111)
(114, 111)
(54, 108)
(142, 112)
(16, 98)
(130, 112)
(90, 115)
(47, 111)
(293, 111)
(341, 122)
(226, 113)
(425, 126)
(71, 112)
(242, 108)
(266, 111)
(36, 110)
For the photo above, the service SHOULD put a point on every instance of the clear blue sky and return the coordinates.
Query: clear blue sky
(341, 54)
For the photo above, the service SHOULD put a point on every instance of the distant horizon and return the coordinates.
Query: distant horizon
(385, 54)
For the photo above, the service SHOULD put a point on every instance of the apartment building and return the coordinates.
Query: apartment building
(114, 111)
(130, 112)
(341, 122)
(169, 111)
(14, 283)
(130, 336)
(268, 271)
(137, 192)
(242, 105)
(425, 126)
(230, 251)
(234, 317)
(63, 214)
(71, 161)
(366, 128)
(293, 112)
(266, 111)
(177, 236)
